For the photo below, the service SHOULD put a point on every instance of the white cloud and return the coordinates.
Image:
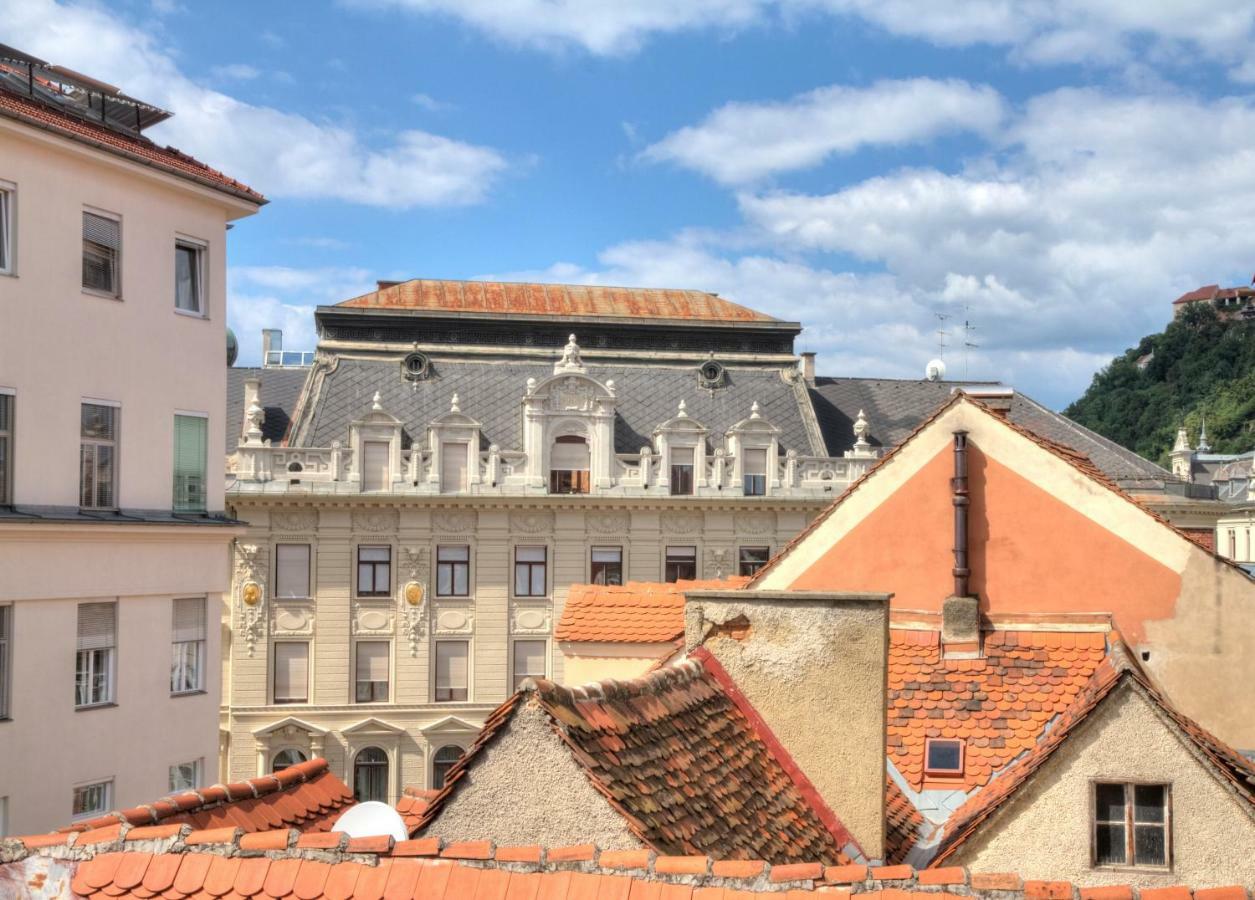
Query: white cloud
(744, 141)
(235, 72)
(280, 154)
(429, 103)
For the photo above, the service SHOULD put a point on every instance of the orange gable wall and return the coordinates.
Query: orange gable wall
(1028, 551)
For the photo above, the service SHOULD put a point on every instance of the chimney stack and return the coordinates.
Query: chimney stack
(808, 366)
(814, 665)
(960, 613)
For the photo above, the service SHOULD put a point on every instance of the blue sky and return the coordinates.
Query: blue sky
(1056, 171)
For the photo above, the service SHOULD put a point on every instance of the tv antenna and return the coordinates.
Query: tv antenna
(968, 343)
(942, 334)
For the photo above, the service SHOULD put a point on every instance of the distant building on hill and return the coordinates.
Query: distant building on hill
(1230, 302)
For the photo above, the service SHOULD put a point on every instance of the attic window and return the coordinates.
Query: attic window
(711, 375)
(416, 366)
(943, 758)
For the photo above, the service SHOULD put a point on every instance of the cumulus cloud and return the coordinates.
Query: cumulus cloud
(741, 142)
(280, 154)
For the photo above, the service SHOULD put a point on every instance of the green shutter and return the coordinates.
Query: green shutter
(190, 453)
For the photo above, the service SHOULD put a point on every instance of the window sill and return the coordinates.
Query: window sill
(110, 705)
(5, 273)
(199, 692)
(187, 313)
(102, 294)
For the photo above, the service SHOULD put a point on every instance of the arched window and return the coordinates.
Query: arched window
(442, 763)
(285, 758)
(370, 775)
(569, 465)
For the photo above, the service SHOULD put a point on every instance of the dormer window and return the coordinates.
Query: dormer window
(943, 758)
(754, 472)
(711, 375)
(682, 470)
(416, 366)
(569, 463)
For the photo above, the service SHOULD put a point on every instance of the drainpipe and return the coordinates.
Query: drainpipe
(958, 487)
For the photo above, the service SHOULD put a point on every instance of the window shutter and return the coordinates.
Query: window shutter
(190, 452)
(101, 230)
(755, 462)
(569, 457)
(372, 661)
(291, 670)
(529, 657)
(189, 619)
(292, 570)
(96, 625)
(451, 664)
(453, 466)
(375, 474)
(681, 456)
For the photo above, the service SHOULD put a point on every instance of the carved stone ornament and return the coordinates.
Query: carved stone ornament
(376, 520)
(572, 395)
(455, 619)
(250, 593)
(755, 522)
(415, 561)
(414, 613)
(293, 617)
(530, 620)
(373, 617)
(678, 522)
(453, 521)
(616, 523)
(532, 522)
(250, 612)
(718, 562)
(294, 520)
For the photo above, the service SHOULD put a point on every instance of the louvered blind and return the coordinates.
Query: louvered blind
(372, 661)
(189, 619)
(190, 453)
(291, 671)
(375, 475)
(755, 462)
(451, 665)
(682, 456)
(102, 238)
(292, 570)
(97, 625)
(101, 230)
(569, 456)
(453, 467)
(529, 659)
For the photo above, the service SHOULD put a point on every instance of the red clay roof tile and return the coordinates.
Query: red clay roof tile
(636, 612)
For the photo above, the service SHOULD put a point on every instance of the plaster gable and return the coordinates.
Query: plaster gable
(524, 788)
(1044, 830)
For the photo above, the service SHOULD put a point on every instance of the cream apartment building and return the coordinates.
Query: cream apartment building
(114, 548)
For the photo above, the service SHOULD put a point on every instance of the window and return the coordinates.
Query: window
(372, 672)
(188, 277)
(682, 470)
(444, 760)
(285, 759)
(91, 799)
(943, 757)
(529, 660)
(529, 571)
(607, 566)
(375, 473)
(453, 467)
(190, 455)
(453, 571)
(98, 456)
(187, 665)
(451, 671)
(751, 559)
(754, 473)
(292, 672)
(185, 776)
(681, 564)
(1233, 543)
(374, 571)
(292, 570)
(6, 449)
(97, 628)
(1131, 825)
(370, 776)
(6, 230)
(102, 245)
(6, 656)
(569, 465)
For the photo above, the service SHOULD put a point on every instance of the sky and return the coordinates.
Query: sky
(1052, 172)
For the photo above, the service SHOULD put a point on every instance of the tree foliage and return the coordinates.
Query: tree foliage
(1201, 365)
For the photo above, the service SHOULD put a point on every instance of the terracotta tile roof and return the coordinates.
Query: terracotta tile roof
(307, 797)
(636, 612)
(1206, 292)
(411, 805)
(902, 823)
(1116, 670)
(216, 864)
(674, 754)
(997, 705)
(562, 300)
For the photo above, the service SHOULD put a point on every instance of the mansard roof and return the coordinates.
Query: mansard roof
(280, 389)
(492, 391)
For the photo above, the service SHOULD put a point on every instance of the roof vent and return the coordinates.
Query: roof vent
(416, 367)
(712, 375)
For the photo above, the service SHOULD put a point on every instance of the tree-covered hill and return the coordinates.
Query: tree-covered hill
(1199, 366)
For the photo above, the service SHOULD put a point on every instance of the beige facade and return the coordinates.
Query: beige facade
(1046, 830)
(1235, 535)
(96, 605)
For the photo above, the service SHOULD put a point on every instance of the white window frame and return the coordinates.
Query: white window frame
(197, 648)
(435, 668)
(106, 795)
(309, 674)
(9, 396)
(116, 293)
(204, 474)
(454, 563)
(116, 444)
(201, 248)
(530, 567)
(388, 675)
(6, 660)
(309, 571)
(8, 234)
(110, 666)
(196, 766)
(514, 674)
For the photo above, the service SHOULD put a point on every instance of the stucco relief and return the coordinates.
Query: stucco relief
(755, 522)
(376, 520)
(718, 562)
(572, 395)
(532, 521)
(373, 617)
(454, 620)
(608, 522)
(677, 522)
(294, 520)
(293, 617)
(250, 595)
(530, 620)
(453, 521)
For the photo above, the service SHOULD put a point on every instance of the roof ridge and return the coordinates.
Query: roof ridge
(667, 677)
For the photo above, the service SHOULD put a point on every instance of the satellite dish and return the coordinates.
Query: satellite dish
(372, 819)
(935, 371)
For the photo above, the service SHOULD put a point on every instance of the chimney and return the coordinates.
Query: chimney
(813, 664)
(271, 342)
(960, 612)
(808, 366)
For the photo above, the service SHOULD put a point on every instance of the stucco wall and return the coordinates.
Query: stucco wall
(526, 789)
(1045, 831)
(815, 670)
(582, 669)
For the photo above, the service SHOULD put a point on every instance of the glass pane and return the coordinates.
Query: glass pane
(444, 579)
(1109, 802)
(944, 755)
(607, 554)
(520, 580)
(186, 293)
(1109, 849)
(104, 477)
(461, 580)
(374, 554)
(1148, 803)
(538, 581)
(453, 554)
(1149, 846)
(365, 579)
(530, 554)
(97, 421)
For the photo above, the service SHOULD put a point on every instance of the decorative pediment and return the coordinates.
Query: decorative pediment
(378, 415)
(570, 392)
(450, 725)
(287, 727)
(681, 423)
(372, 726)
(454, 418)
(755, 424)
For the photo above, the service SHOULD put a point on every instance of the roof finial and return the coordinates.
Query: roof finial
(755, 413)
(570, 357)
(861, 429)
(683, 411)
(1203, 446)
(377, 403)
(453, 404)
